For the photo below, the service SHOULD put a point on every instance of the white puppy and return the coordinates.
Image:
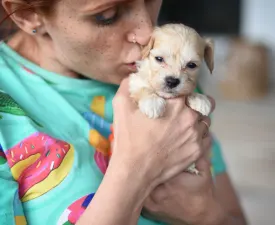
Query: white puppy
(169, 68)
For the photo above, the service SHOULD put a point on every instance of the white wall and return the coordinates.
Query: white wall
(258, 19)
(258, 24)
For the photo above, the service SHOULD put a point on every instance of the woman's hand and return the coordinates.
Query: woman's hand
(146, 153)
(156, 149)
(186, 199)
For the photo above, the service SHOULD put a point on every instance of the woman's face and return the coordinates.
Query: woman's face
(95, 37)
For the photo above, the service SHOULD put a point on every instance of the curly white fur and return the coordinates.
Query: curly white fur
(169, 68)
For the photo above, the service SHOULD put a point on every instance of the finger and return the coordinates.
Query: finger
(122, 99)
(206, 146)
(176, 104)
(204, 126)
(159, 193)
(213, 103)
(204, 166)
(124, 86)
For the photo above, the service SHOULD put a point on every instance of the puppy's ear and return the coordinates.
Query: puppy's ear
(209, 54)
(146, 50)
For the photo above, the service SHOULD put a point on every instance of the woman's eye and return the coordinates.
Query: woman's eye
(191, 65)
(159, 59)
(107, 17)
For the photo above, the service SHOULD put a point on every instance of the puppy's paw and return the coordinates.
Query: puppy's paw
(199, 103)
(192, 169)
(153, 106)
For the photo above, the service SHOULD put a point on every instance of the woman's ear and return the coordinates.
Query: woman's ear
(23, 15)
(146, 50)
(209, 54)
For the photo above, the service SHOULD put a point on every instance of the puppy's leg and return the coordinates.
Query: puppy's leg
(199, 103)
(193, 169)
(152, 106)
(149, 103)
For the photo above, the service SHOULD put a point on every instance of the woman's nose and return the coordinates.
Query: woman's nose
(144, 33)
(143, 28)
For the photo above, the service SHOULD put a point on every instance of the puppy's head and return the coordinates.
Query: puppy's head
(173, 57)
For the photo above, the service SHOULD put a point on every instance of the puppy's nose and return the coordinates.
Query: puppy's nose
(172, 82)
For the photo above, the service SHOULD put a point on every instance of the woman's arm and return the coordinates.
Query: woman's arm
(226, 208)
(140, 162)
(195, 200)
(119, 199)
(229, 201)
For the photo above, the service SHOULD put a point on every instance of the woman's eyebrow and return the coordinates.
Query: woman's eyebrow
(97, 6)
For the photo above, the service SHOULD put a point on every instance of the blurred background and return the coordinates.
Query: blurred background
(243, 84)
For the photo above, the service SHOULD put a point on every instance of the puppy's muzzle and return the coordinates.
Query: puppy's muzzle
(172, 82)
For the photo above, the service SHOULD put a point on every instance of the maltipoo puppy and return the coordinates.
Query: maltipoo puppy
(169, 68)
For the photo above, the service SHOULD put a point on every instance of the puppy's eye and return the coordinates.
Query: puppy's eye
(191, 65)
(159, 59)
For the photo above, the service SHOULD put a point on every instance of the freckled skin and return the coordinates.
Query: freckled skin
(100, 52)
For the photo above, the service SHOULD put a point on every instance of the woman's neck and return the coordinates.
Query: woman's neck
(39, 51)
(25, 45)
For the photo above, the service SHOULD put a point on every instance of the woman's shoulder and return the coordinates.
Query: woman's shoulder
(13, 116)
(10, 65)
(14, 121)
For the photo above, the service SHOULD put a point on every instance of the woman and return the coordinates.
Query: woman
(58, 77)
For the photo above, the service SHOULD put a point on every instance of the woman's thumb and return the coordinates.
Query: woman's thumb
(122, 99)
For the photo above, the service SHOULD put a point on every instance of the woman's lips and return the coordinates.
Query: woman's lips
(132, 66)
